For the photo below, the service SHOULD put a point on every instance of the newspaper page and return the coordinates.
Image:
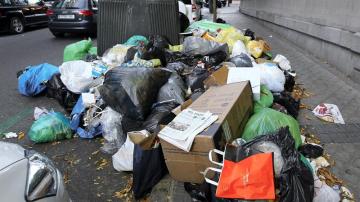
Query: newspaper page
(182, 130)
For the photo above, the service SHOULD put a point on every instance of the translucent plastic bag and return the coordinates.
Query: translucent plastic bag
(199, 46)
(77, 51)
(242, 60)
(271, 76)
(266, 121)
(207, 25)
(255, 48)
(325, 193)
(230, 36)
(113, 134)
(50, 127)
(136, 40)
(239, 48)
(76, 75)
(116, 55)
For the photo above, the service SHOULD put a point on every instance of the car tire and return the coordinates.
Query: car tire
(58, 34)
(16, 25)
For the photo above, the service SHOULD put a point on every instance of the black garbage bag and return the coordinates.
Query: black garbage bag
(296, 179)
(220, 20)
(132, 91)
(198, 192)
(250, 33)
(57, 90)
(241, 60)
(190, 60)
(184, 22)
(215, 59)
(159, 41)
(179, 67)
(289, 81)
(285, 99)
(130, 54)
(196, 78)
(196, 94)
(311, 151)
(90, 57)
(173, 90)
(153, 52)
(160, 115)
(148, 169)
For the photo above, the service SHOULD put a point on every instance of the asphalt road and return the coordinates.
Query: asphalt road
(88, 172)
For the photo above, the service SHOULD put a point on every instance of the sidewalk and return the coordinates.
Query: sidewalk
(325, 83)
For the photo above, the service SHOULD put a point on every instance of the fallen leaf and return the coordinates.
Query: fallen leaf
(55, 143)
(21, 135)
(101, 164)
(95, 152)
(124, 192)
(305, 106)
(330, 178)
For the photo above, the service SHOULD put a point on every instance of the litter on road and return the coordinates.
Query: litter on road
(219, 102)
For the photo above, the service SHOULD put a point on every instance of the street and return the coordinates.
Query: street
(89, 174)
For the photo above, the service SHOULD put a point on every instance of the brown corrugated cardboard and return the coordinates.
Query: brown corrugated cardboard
(233, 105)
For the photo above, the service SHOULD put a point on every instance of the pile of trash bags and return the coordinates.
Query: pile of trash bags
(136, 85)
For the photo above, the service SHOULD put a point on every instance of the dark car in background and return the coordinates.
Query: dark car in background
(15, 15)
(73, 16)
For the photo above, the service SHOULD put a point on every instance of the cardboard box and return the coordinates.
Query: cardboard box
(226, 75)
(233, 104)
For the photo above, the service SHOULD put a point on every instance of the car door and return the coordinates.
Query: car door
(24, 7)
(38, 10)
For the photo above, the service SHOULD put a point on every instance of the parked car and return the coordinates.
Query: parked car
(26, 175)
(73, 16)
(15, 15)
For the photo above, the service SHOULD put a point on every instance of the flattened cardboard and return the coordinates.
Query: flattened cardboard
(233, 104)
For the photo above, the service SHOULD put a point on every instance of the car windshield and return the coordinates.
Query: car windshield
(71, 4)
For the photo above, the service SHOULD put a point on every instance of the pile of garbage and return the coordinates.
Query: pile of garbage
(216, 112)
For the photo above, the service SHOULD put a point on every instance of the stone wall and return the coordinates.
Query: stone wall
(328, 29)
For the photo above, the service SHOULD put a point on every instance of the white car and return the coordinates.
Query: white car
(26, 175)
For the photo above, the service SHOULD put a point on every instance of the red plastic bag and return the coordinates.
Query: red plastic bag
(251, 178)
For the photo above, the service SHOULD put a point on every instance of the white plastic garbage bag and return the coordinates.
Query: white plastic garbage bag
(271, 76)
(239, 47)
(324, 193)
(76, 75)
(123, 158)
(284, 63)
